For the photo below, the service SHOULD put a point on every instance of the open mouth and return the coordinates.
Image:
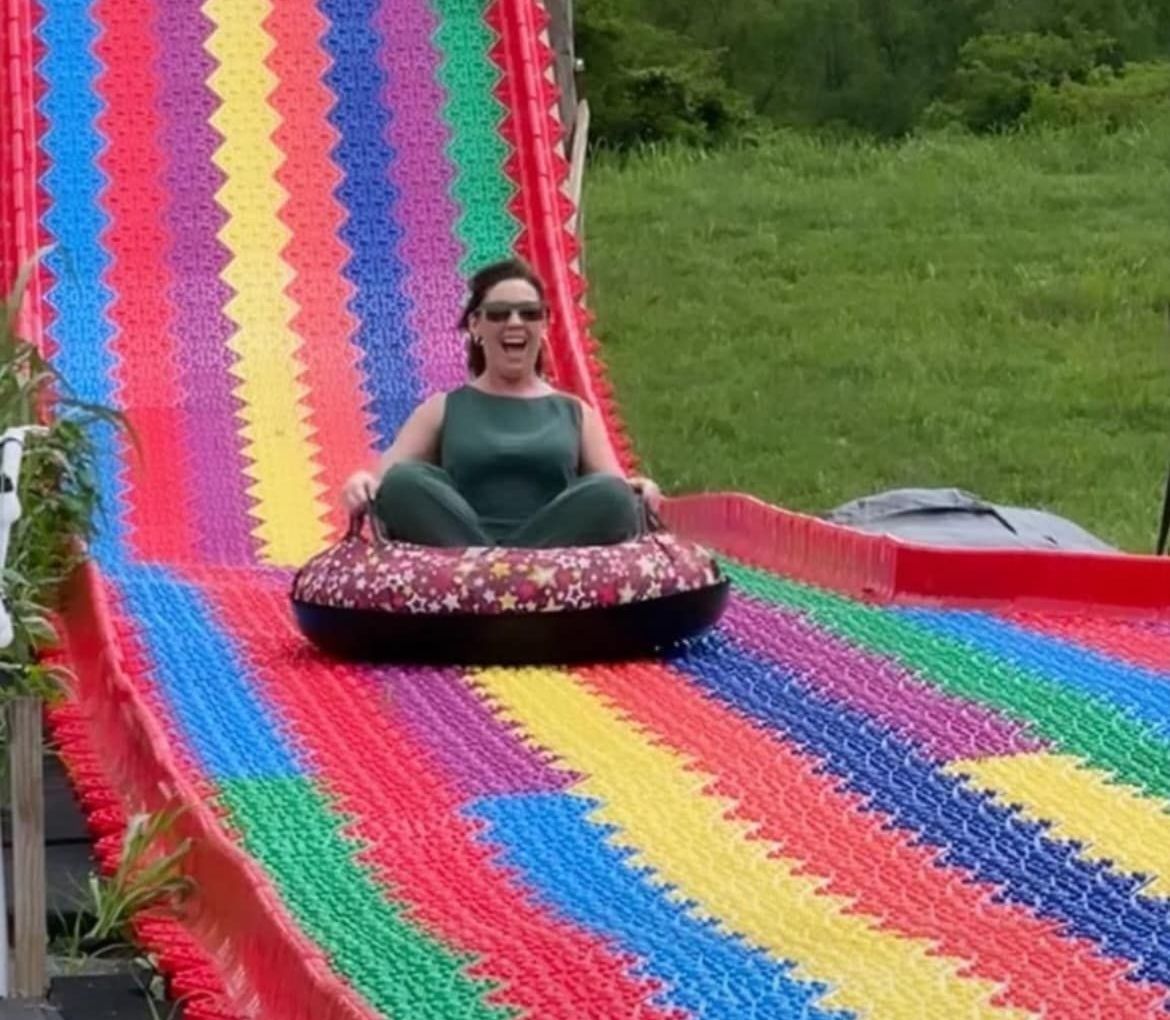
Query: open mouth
(514, 343)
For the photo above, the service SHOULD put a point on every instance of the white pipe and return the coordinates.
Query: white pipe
(11, 454)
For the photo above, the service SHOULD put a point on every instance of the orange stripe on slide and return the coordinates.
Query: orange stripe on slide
(158, 487)
(314, 251)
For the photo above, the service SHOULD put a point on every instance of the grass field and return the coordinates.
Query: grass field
(812, 322)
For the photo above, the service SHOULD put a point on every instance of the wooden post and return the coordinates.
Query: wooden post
(577, 161)
(577, 179)
(560, 33)
(29, 978)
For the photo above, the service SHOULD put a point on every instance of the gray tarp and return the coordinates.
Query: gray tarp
(952, 517)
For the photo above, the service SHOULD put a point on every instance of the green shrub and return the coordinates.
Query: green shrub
(1108, 99)
(1000, 75)
(648, 84)
(868, 65)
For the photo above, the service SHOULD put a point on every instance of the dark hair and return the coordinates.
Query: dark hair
(479, 285)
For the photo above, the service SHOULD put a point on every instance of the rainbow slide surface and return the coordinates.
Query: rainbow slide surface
(867, 794)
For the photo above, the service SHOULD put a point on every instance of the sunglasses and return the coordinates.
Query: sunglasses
(501, 311)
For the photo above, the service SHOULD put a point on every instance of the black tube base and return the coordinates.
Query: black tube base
(598, 634)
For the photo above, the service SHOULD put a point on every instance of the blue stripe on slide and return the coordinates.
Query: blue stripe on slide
(1140, 693)
(205, 681)
(375, 268)
(569, 864)
(74, 220)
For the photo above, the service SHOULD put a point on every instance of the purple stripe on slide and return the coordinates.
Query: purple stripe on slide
(219, 501)
(481, 755)
(945, 726)
(422, 175)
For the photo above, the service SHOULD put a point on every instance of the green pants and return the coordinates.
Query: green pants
(417, 502)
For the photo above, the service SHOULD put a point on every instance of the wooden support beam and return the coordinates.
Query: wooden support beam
(26, 750)
(577, 157)
(560, 33)
(577, 179)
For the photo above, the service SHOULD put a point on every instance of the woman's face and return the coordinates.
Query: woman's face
(510, 323)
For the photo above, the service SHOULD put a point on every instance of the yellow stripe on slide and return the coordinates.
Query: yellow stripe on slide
(1113, 822)
(660, 810)
(276, 435)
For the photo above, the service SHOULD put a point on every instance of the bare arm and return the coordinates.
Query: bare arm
(418, 439)
(597, 456)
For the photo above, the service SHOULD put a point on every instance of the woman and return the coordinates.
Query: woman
(506, 459)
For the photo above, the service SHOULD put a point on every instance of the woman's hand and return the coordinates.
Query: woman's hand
(358, 490)
(648, 490)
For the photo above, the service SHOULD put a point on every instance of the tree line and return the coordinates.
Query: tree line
(705, 71)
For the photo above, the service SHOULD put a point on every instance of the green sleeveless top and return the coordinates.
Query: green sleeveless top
(509, 456)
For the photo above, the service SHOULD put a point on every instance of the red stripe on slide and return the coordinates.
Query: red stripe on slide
(158, 488)
(1137, 643)
(421, 851)
(900, 885)
(315, 252)
(135, 664)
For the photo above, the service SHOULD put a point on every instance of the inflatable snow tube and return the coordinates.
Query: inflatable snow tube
(367, 598)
